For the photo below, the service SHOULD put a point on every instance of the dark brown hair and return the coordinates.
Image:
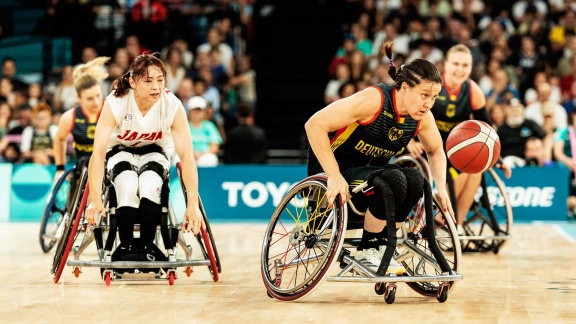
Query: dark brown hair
(413, 73)
(137, 70)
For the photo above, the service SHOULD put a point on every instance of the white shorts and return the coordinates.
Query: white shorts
(130, 187)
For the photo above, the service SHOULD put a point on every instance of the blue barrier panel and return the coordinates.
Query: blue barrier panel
(537, 193)
(240, 193)
(250, 192)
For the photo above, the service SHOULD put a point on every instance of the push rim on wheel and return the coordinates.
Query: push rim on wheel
(54, 212)
(416, 239)
(302, 240)
(490, 215)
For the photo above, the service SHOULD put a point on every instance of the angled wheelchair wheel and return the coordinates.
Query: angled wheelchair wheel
(491, 215)
(205, 237)
(302, 240)
(53, 216)
(71, 225)
(416, 256)
(208, 247)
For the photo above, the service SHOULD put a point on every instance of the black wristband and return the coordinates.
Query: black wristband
(60, 167)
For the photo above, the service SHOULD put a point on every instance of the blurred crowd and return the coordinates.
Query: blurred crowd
(205, 46)
(524, 55)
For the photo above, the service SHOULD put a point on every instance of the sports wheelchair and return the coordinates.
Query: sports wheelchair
(104, 235)
(488, 224)
(305, 237)
(58, 203)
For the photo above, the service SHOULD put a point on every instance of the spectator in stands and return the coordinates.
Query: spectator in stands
(570, 103)
(149, 19)
(527, 62)
(185, 91)
(500, 85)
(134, 47)
(357, 66)
(122, 58)
(214, 39)
(174, 68)
(363, 44)
(7, 90)
(65, 96)
(182, 45)
(10, 143)
(245, 81)
(88, 54)
(9, 71)
(497, 115)
(37, 139)
(35, 95)
(347, 89)
(537, 112)
(206, 139)
(344, 53)
(5, 117)
(246, 142)
(515, 131)
(535, 153)
(531, 95)
(426, 49)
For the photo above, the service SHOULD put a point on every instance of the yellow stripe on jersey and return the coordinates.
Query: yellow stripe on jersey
(343, 136)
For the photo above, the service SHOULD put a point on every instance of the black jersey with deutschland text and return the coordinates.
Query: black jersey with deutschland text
(83, 130)
(450, 109)
(372, 143)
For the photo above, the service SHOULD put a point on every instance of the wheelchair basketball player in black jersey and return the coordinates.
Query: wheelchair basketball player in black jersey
(353, 137)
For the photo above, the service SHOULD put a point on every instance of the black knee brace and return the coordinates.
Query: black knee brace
(149, 218)
(394, 191)
(414, 191)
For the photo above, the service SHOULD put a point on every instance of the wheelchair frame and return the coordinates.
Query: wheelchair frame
(484, 232)
(315, 236)
(167, 269)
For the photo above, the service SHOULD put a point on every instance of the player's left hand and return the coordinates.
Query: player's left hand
(506, 168)
(444, 200)
(192, 220)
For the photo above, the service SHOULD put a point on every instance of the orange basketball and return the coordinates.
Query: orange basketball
(473, 146)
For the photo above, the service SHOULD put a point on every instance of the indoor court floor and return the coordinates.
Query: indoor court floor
(531, 280)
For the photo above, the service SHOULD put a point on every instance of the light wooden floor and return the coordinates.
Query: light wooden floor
(532, 280)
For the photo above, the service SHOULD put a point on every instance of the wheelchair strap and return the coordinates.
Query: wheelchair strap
(142, 150)
(390, 207)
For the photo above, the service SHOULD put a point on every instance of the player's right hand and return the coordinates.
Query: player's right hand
(337, 185)
(93, 209)
(415, 148)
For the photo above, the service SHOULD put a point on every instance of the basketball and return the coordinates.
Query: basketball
(473, 146)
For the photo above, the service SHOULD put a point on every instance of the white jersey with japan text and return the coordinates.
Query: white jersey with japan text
(134, 130)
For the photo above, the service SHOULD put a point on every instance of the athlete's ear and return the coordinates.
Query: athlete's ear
(405, 86)
(132, 82)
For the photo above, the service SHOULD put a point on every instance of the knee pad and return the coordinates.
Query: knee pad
(164, 175)
(389, 194)
(415, 188)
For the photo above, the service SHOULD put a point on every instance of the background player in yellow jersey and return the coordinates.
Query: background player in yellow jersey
(460, 98)
(81, 120)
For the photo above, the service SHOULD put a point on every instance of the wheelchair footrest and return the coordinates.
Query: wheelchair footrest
(442, 277)
(138, 264)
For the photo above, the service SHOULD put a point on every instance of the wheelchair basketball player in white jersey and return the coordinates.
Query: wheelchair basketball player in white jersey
(141, 125)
